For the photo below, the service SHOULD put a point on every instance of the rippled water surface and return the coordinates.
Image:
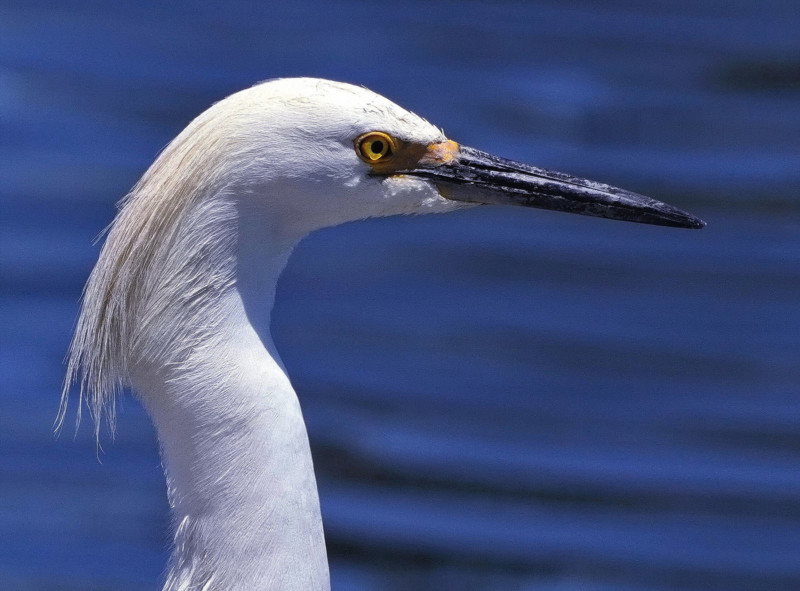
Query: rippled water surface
(497, 399)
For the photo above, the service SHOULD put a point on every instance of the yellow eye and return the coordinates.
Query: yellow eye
(375, 146)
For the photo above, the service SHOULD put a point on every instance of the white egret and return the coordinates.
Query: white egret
(178, 305)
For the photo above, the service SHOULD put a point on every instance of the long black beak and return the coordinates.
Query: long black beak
(477, 177)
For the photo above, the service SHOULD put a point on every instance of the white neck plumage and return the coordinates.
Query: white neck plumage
(178, 307)
(235, 451)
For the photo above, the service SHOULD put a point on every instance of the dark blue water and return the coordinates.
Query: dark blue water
(498, 399)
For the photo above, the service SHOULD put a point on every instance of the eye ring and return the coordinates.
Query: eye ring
(375, 146)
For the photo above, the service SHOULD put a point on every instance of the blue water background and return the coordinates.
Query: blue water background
(497, 399)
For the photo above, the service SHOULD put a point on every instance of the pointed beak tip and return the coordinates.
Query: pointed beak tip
(683, 221)
(691, 222)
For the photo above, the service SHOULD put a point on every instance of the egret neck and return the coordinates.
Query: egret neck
(236, 455)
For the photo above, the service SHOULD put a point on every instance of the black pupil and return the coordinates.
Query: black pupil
(376, 147)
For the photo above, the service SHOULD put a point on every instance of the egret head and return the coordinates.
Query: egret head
(316, 153)
(313, 153)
